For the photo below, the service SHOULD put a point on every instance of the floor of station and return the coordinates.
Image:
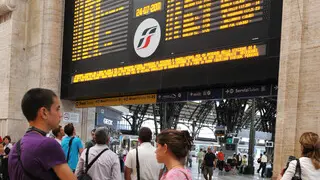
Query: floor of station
(218, 175)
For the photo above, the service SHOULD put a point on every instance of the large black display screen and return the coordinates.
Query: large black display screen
(124, 47)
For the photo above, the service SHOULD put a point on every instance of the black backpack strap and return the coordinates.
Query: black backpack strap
(70, 143)
(18, 149)
(95, 159)
(138, 164)
(298, 169)
(87, 158)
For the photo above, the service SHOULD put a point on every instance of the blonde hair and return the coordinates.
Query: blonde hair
(310, 143)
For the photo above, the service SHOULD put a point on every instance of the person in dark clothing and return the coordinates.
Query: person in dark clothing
(7, 147)
(260, 166)
(209, 164)
(239, 160)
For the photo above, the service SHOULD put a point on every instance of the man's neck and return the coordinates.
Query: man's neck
(39, 125)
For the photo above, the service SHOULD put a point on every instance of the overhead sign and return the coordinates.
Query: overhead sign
(126, 100)
(70, 117)
(247, 91)
(172, 97)
(127, 47)
(205, 94)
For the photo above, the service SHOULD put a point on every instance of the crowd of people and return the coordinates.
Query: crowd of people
(36, 156)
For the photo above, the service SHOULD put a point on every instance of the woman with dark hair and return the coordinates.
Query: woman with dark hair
(7, 148)
(7, 144)
(310, 160)
(172, 149)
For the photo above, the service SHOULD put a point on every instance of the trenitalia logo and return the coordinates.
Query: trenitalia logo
(147, 38)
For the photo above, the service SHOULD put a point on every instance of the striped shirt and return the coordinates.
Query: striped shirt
(107, 166)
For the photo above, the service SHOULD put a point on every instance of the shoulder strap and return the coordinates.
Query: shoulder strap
(298, 169)
(138, 164)
(18, 149)
(184, 174)
(70, 143)
(95, 159)
(87, 158)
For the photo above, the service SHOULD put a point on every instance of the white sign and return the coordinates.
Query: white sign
(147, 38)
(71, 117)
(107, 121)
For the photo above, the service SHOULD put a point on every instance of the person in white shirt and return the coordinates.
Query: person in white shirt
(149, 167)
(107, 166)
(58, 134)
(264, 160)
(310, 160)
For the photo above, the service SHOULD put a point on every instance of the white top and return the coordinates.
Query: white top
(107, 166)
(58, 140)
(264, 159)
(308, 172)
(149, 167)
(9, 145)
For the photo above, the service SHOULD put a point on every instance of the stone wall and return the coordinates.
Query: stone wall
(31, 56)
(299, 85)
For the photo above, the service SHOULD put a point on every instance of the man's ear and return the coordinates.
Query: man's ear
(43, 113)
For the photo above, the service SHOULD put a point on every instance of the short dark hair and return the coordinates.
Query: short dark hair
(7, 137)
(179, 142)
(56, 131)
(101, 135)
(35, 99)
(68, 129)
(145, 134)
(93, 130)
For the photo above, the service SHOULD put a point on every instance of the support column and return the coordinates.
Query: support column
(298, 108)
(252, 138)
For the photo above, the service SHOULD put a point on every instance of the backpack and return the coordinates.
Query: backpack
(259, 160)
(85, 175)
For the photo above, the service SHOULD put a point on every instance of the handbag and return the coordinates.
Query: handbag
(85, 175)
(297, 174)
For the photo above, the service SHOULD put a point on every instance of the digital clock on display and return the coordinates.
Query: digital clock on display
(148, 9)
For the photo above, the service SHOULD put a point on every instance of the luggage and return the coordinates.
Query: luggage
(268, 172)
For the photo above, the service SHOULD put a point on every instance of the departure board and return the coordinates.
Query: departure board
(187, 18)
(131, 47)
(100, 27)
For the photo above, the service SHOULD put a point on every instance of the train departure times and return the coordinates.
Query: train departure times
(173, 63)
(100, 27)
(187, 18)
